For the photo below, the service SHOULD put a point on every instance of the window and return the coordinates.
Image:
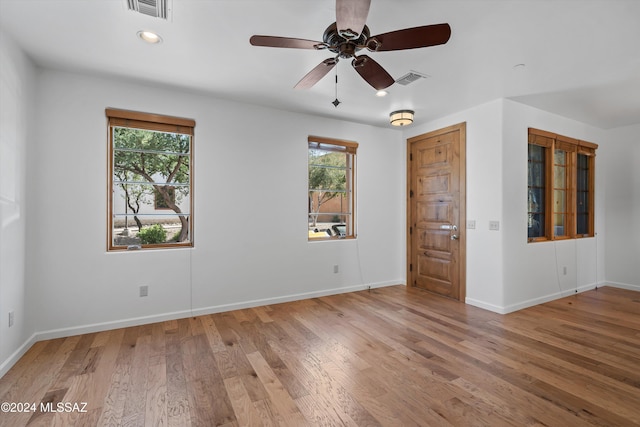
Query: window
(150, 197)
(560, 187)
(331, 188)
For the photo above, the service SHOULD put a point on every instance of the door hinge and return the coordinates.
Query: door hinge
(410, 193)
(410, 157)
(410, 267)
(410, 230)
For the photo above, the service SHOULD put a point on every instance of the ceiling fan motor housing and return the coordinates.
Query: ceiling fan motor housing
(342, 47)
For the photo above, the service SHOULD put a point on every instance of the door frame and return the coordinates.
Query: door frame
(462, 228)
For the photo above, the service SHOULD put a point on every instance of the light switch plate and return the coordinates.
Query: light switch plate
(494, 225)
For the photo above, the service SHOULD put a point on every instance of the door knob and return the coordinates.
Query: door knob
(454, 237)
(449, 227)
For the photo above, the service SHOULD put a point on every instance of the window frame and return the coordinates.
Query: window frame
(117, 118)
(551, 143)
(348, 148)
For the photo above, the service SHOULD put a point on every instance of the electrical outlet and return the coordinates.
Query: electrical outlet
(471, 224)
(336, 268)
(11, 318)
(494, 225)
(144, 291)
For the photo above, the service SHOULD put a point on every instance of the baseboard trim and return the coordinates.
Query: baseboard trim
(13, 359)
(136, 321)
(535, 301)
(143, 320)
(623, 286)
(552, 297)
(484, 305)
(292, 297)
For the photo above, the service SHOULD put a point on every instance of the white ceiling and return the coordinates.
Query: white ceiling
(582, 56)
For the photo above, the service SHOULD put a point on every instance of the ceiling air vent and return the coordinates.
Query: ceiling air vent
(411, 77)
(153, 8)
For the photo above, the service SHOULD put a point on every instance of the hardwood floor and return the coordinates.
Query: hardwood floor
(389, 356)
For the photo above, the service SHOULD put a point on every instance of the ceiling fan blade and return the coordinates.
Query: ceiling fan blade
(410, 38)
(273, 41)
(351, 15)
(372, 72)
(316, 74)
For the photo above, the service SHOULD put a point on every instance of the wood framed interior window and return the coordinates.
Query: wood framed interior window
(560, 189)
(150, 175)
(331, 185)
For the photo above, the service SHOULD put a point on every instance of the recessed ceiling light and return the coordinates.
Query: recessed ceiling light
(381, 93)
(149, 37)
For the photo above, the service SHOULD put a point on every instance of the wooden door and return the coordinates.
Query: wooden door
(436, 211)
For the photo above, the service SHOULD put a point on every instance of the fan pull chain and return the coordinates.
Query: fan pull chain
(336, 101)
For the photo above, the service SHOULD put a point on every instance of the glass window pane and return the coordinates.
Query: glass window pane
(536, 225)
(158, 167)
(559, 228)
(536, 194)
(583, 209)
(150, 185)
(536, 153)
(583, 173)
(582, 202)
(146, 229)
(560, 193)
(582, 226)
(141, 139)
(131, 198)
(330, 198)
(559, 177)
(536, 200)
(537, 175)
(583, 180)
(583, 161)
(559, 201)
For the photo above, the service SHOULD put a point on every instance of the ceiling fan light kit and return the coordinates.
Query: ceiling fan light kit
(348, 35)
(401, 117)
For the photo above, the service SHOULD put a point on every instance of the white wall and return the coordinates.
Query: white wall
(250, 211)
(620, 165)
(534, 272)
(16, 115)
(504, 272)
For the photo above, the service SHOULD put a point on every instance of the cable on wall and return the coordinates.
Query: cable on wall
(191, 281)
(575, 262)
(597, 279)
(555, 251)
(360, 264)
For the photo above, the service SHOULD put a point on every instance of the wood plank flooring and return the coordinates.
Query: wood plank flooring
(386, 357)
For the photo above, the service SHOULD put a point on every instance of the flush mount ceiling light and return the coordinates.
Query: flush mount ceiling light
(401, 117)
(149, 37)
(381, 93)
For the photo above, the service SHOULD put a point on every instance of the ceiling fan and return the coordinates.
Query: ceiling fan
(348, 35)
